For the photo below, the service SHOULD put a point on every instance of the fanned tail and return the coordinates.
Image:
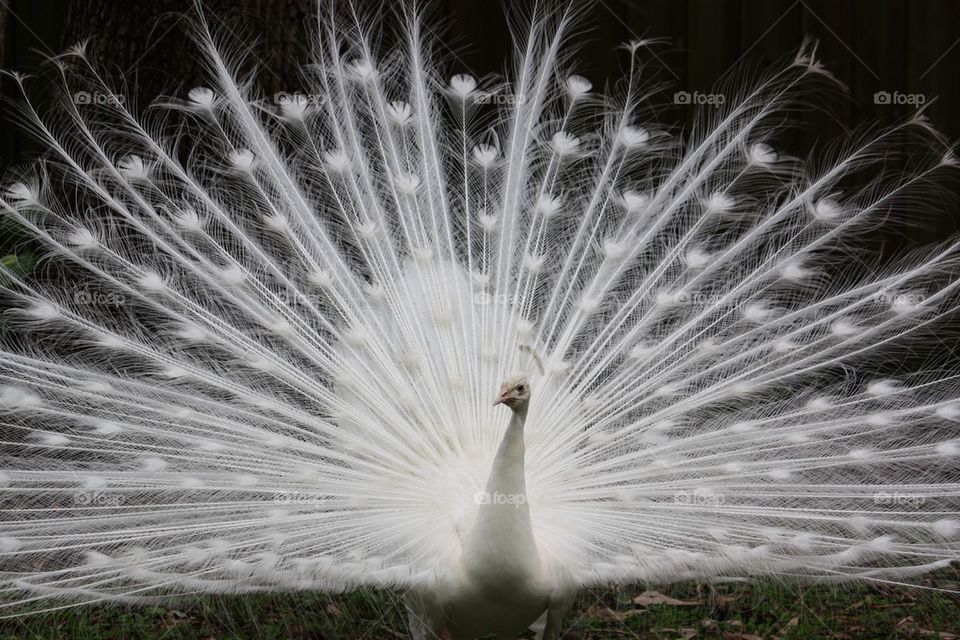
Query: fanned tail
(262, 351)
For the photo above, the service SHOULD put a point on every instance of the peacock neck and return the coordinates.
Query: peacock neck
(501, 542)
(507, 477)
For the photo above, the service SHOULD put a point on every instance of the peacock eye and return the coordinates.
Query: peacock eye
(520, 388)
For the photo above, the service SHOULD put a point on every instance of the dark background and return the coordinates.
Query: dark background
(909, 47)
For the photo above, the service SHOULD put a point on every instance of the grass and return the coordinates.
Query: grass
(725, 612)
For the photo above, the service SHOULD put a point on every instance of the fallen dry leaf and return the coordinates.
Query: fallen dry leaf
(606, 614)
(655, 597)
(906, 622)
(786, 628)
(679, 633)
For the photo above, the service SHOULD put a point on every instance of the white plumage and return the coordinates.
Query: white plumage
(294, 317)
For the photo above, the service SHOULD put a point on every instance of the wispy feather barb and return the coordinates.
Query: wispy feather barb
(294, 315)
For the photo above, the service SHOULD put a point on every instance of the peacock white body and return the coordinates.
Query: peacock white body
(263, 351)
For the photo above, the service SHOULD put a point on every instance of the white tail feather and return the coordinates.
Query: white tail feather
(273, 365)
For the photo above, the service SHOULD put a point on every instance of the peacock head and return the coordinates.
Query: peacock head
(514, 392)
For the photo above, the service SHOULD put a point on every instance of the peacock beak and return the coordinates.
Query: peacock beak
(502, 398)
